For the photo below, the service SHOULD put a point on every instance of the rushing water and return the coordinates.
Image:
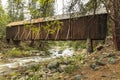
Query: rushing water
(23, 62)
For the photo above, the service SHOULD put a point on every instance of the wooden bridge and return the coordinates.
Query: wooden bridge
(63, 27)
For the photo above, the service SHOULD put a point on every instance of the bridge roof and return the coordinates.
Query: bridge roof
(57, 17)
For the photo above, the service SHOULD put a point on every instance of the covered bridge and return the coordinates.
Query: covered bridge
(64, 27)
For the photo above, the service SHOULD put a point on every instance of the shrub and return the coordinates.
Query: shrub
(35, 67)
(16, 53)
(71, 67)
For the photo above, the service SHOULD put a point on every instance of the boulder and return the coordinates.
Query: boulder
(53, 65)
(100, 63)
(112, 60)
(62, 68)
(77, 77)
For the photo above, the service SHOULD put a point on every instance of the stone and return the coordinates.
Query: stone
(53, 65)
(60, 52)
(99, 47)
(77, 77)
(66, 62)
(49, 75)
(94, 66)
(100, 63)
(112, 60)
(66, 78)
(111, 55)
(14, 77)
(59, 78)
(62, 68)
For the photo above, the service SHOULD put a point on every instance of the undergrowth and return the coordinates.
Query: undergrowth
(14, 52)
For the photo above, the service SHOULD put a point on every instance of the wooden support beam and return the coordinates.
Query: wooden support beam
(47, 35)
(18, 31)
(28, 35)
(57, 34)
(68, 32)
(89, 45)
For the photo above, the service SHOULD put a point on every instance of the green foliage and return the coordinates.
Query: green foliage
(92, 5)
(41, 8)
(3, 21)
(71, 67)
(34, 77)
(46, 7)
(16, 53)
(72, 44)
(3, 78)
(73, 63)
(15, 10)
(52, 27)
(35, 67)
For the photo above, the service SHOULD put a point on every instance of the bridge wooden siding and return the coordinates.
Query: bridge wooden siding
(79, 28)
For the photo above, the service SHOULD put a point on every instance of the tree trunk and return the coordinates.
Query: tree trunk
(115, 16)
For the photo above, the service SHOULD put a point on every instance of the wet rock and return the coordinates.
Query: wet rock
(60, 52)
(77, 77)
(53, 65)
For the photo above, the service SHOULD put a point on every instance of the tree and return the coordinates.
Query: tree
(16, 10)
(41, 8)
(114, 8)
(3, 21)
